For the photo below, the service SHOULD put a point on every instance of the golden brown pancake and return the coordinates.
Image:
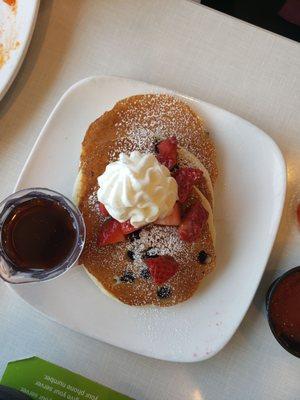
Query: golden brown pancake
(137, 123)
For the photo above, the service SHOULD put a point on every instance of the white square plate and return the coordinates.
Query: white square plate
(249, 200)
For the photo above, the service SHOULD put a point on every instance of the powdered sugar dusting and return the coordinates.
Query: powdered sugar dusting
(149, 120)
(93, 201)
(138, 138)
(158, 240)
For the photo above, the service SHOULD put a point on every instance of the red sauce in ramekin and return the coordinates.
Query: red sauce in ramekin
(284, 310)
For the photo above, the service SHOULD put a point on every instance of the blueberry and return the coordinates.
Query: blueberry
(164, 292)
(145, 273)
(130, 254)
(134, 235)
(127, 277)
(150, 253)
(203, 257)
(175, 168)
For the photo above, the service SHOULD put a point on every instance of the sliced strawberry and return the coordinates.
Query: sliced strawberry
(127, 227)
(103, 210)
(167, 152)
(193, 222)
(110, 232)
(162, 268)
(171, 220)
(186, 178)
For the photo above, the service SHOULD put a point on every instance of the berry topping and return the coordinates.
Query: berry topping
(150, 253)
(145, 273)
(127, 277)
(103, 210)
(186, 178)
(167, 152)
(193, 222)
(164, 292)
(110, 232)
(298, 213)
(171, 220)
(134, 235)
(127, 227)
(203, 257)
(130, 254)
(162, 268)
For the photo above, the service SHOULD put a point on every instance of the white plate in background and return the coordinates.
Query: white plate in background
(16, 28)
(249, 199)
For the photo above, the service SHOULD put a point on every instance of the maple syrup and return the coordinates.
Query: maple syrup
(283, 306)
(38, 234)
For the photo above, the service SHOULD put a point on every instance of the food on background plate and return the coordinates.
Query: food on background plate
(145, 190)
(11, 3)
(8, 30)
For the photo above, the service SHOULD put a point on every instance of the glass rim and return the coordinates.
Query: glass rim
(10, 272)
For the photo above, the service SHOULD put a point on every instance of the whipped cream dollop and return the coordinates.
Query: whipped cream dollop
(137, 188)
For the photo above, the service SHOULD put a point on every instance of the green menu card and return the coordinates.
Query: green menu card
(42, 380)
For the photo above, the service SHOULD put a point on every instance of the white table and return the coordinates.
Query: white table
(200, 52)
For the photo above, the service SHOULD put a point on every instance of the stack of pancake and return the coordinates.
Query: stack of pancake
(138, 123)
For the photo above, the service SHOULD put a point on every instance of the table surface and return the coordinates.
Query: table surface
(205, 54)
